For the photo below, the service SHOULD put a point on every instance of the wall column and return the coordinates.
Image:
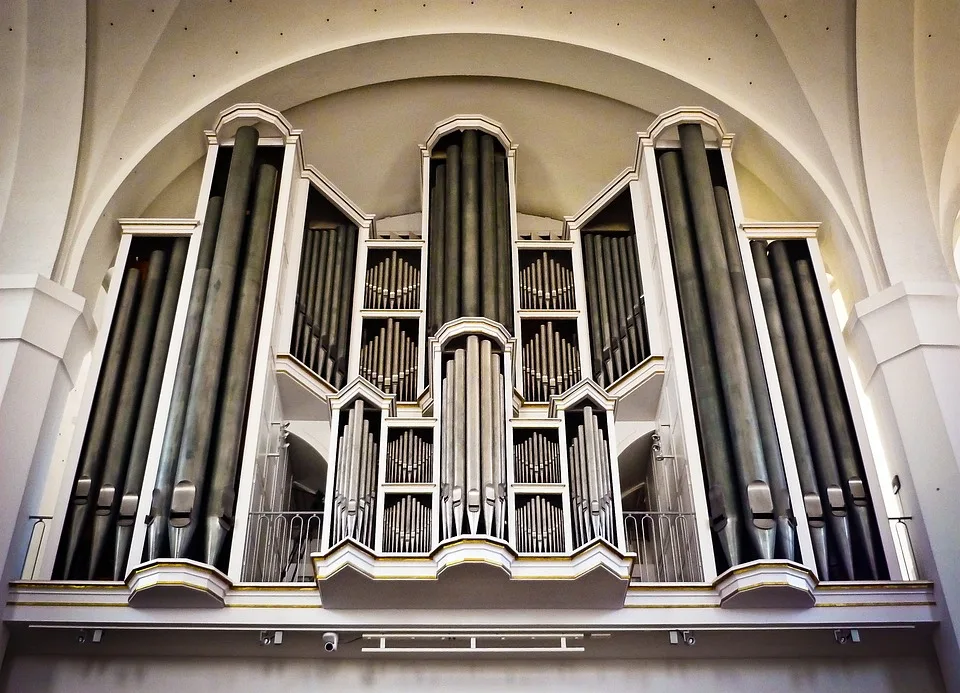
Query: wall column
(906, 342)
(43, 339)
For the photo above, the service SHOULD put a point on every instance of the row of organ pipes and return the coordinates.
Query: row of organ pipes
(465, 455)
(551, 362)
(546, 284)
(388, 359)
(392, 284)
(750, 510)
(321, 332)
(194, 490)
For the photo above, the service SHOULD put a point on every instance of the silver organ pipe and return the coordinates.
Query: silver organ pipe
(473, 468)
(470, 266)
(321, 330)
(389, 356)
(355, 486)
(551, 360)
(591, 487)
(393, 282)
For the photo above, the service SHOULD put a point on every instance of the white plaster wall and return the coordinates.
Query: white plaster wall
(24, 674)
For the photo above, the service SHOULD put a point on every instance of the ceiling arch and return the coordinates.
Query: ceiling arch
(145, 133)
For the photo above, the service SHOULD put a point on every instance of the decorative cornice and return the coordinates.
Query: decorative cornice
(468, 122)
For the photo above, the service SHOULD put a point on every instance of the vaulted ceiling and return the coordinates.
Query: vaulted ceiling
(807, 86)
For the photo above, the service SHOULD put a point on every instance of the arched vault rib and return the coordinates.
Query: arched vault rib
(160, 155)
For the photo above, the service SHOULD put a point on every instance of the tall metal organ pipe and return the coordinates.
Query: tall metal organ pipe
(734, 374)
(129, 502)
(813, 503)
(618, 333)
(470, 258)
(473, 439)
(173, 434)
(705, 380)
(226, 452)
(321, 329)
(118, 437)
(128, 404)
(853, 484)
(782, 512)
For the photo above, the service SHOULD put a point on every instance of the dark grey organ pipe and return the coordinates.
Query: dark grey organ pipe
(172, 436)
(714, 444)
(639, 308)
(201, 407)
(127, 512)
(470, 224)
(593, 306)
(803, 456)
(452, 269)
(734, 374)
(346, 306)
(786, 534)
(811, 398)
(606, 352)
(226, 451)
(107, 496)
(335, 299)
(504, 244)
(102, 418)
(488, 232)
(437, 216)
(322, 245)
(299, 322)
(617, 328)
(845, 446)
(324, 299)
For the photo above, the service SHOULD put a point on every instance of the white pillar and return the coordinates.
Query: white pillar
(43, 339)
(906, 341)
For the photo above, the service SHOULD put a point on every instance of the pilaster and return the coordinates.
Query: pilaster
(906, 341)
(43, 339)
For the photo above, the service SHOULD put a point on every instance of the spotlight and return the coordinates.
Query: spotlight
(846, 635)
(271, 637)
(330, 642)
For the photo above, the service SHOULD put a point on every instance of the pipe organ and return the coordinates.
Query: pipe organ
(484, 403)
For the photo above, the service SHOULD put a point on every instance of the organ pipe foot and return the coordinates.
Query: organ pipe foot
(861, 516)
(840, 526)
(728, 536)
(101, 527)
(216, 535)
(76, 528)
(764, 538)
(179, 538)
(122, 550)
(786, 538)
(818, 537)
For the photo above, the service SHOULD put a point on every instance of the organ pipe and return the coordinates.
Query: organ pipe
(786, 536)
(190, 478)
(470, 232)
(705, 382)
(731, 358)
(618, 333)
(591, 487)
(815, 497)
(321, 331)
(354, 505)
(173, 434)
(473, 461)
(226, 451)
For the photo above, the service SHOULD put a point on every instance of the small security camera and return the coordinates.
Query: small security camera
(330, 642)
(689, 638)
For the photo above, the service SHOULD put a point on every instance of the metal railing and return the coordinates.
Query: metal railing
(665, 544)
(900, 528)
(280, 544)
(38, 529)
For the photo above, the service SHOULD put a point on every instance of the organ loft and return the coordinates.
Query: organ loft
(294, 387)
(648, 402)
